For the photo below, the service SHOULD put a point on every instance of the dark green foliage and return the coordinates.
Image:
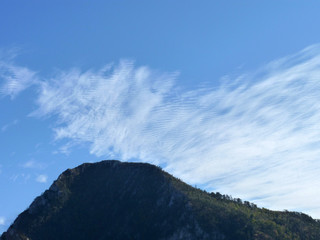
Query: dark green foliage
(114, 200)
(244, 220)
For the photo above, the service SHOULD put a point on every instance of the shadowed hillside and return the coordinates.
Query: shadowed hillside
(114, 200)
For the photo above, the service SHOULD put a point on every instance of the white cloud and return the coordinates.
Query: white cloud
(8, 125)
(22, 177)
(32, 164)
(256, 137)
(42, 178)
(2, 220)
(13, 78)
(29, 164)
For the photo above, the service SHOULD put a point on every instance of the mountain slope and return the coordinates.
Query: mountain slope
(114, 200)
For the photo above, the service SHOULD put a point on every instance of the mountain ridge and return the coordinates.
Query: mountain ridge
(122, 200)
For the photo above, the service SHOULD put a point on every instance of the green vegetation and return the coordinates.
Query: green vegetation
(114, 200)
(244, 220)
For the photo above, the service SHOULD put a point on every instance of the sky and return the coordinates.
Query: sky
(222, 94)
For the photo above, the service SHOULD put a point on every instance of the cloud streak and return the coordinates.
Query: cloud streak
(5, 127)
(256, 136)
(13, 78)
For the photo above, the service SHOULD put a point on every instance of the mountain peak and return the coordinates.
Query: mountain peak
(120, 200)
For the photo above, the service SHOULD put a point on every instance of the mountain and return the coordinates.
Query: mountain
(120, 201)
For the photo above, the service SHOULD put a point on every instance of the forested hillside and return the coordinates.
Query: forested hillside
(115, 200)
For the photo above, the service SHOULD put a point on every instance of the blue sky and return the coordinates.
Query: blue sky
(223, 94)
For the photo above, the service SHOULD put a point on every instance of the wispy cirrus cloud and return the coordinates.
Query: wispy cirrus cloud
(256, 136)
(32, 164)
(14, 78)
(8, 125)
(20, 177)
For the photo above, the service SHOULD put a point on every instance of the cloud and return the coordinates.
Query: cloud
(2, 220)
(22, 177)
(6, 126)
(13, 78)
(32, 164)
(42, 178)
(255, 136)
(29, 164)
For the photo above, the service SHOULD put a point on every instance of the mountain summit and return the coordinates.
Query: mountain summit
(120, 201)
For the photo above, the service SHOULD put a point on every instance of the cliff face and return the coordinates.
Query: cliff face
(114, 200)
